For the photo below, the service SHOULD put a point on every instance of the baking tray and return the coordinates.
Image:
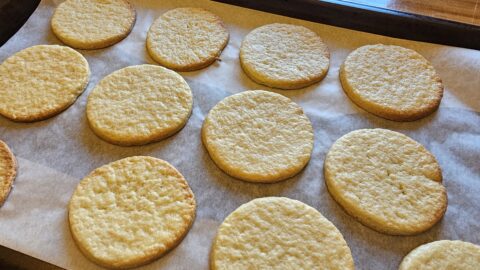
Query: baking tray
(209, 86)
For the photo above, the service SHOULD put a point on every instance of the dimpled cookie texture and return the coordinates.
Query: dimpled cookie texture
(93, 24)
(139, 104)
(258, 136)
(386, 180)
(279, 233)
(443, 255)
(130, 212)
(8, 171)
(392, 82)
(41, 81)
(284, 56)
(186, 39)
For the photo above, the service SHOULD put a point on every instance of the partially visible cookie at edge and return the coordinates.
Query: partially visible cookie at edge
(443, 255)
(8, 171)
(187, 39)
(279, 233)
(392, 82)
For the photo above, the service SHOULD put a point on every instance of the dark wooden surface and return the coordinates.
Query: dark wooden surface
(464, 11)
(13, 260)
(378, 20)
(13, 14)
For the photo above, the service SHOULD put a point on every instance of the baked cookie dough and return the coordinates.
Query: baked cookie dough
(41, 81)
(258, 136)
(8, 171)
(130, 212)
(443, 255)
(279, 233)
(391, 82)
(386, 180)
(284, 56)
(139, 104)
(186, 39)
(93, 24)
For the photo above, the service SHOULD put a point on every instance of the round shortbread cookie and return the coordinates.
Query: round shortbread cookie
(386, 180)
(130, 212)
(139, 104)
(284, 56)
(186, 39)
(41, 81)
(8, 171)
(391, 82)
(443, 255)
(279, 233)
(258, 136)
(93, 24)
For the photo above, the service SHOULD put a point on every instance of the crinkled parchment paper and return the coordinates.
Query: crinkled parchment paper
(56, 153)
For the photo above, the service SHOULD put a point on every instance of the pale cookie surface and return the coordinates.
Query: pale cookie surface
(279, 233)
(8, 171)
(131, 211)
(93, 24)
(186, 39)
(258, 136)
(284, 56)
(41, 81)
(386, 180)
(139, 104)
(392, 82)
(443, 255)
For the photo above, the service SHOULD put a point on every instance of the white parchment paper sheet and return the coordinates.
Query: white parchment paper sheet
(56, 153)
